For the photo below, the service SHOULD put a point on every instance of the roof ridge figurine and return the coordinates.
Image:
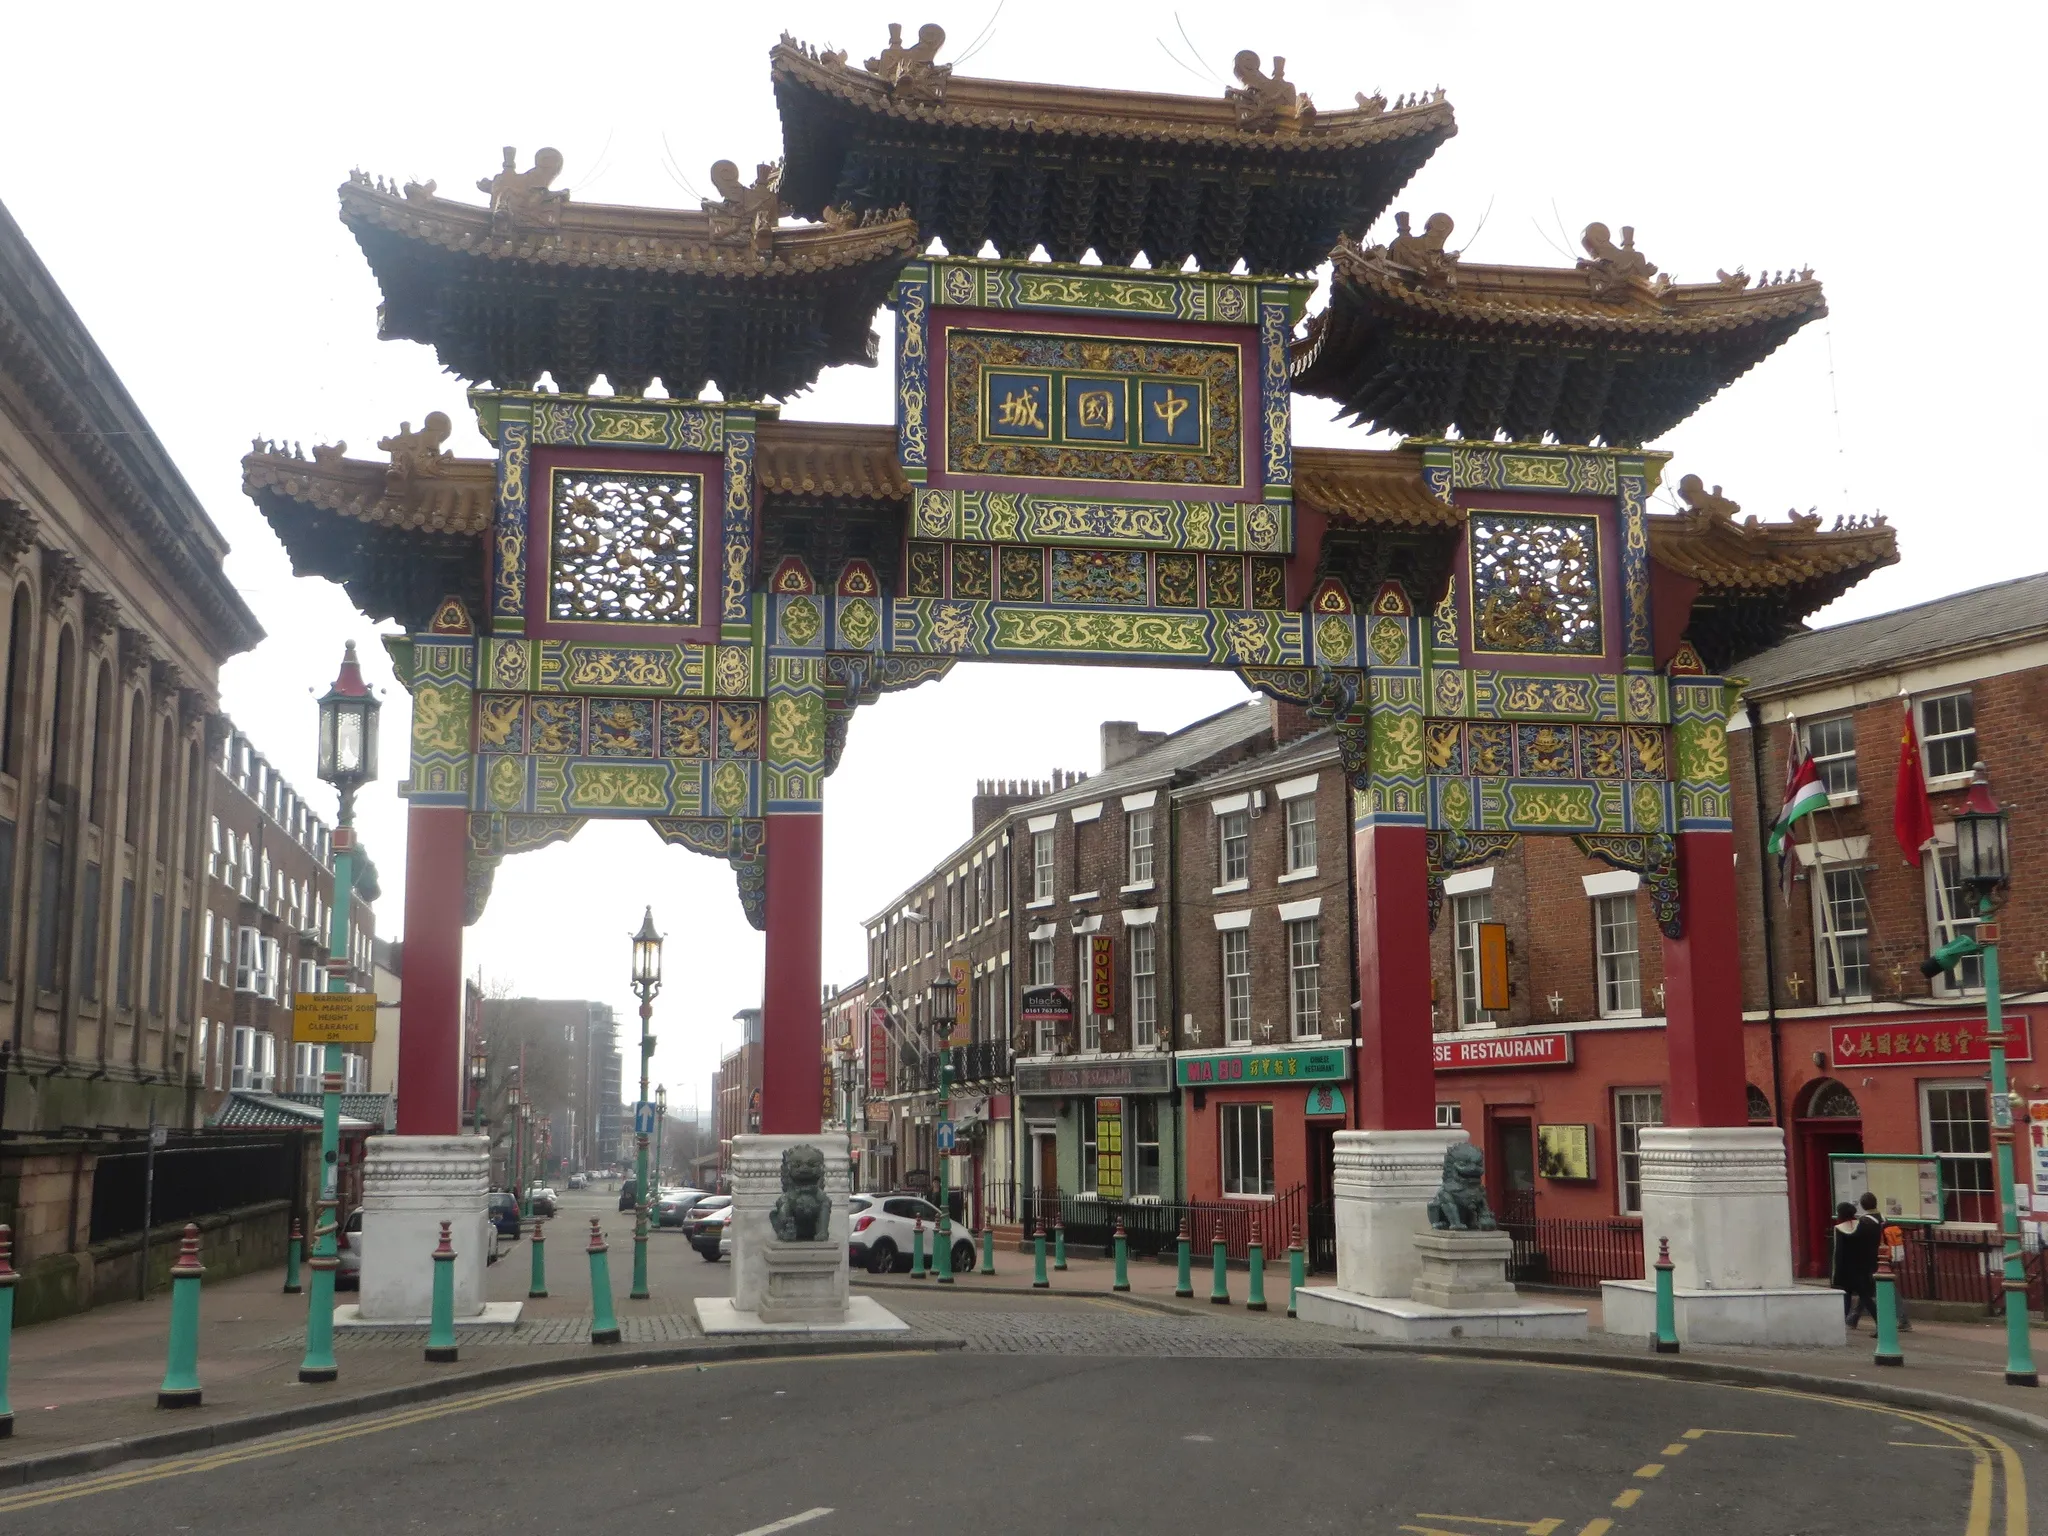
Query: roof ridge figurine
(1613, 269)
(523, 199)
(746, 215)
(1267, 100)
(1702, 502)
(414, 454)
(1424, 254)
(912, 71)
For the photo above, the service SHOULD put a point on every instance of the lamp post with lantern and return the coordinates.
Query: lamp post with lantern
(1983, 868)
(942, 1016)
(514, 1170)
(660, 1130)
(347, 760)
(646, 984)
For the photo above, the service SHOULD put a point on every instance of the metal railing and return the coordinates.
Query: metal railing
(196, 1174)
(985, 1061)
(1571, 1255)
(1967, 1265)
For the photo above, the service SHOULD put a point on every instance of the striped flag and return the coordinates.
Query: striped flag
(1804, 794)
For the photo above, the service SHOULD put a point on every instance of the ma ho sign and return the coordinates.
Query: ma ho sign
(334, 1018)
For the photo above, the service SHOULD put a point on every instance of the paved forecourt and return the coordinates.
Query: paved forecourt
(1355, 1441)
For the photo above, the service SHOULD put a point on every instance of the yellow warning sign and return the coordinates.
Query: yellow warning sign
(334, 1018)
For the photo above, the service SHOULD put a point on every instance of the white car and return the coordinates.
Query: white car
(713, 1240)
(881, 1231)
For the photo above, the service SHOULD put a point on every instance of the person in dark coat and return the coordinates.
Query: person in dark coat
(1855, 1276)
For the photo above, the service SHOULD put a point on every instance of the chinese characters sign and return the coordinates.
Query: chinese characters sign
(963, 1003)
(1109, 1148)
(1261, 1067)
(1904, 1042)
(878, 1050)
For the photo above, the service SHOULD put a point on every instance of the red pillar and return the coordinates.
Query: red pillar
(1396, 1069)
(791, 1086)
(1703, 989)
(430, 990)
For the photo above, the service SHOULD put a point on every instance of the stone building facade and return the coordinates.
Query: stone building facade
(118, 617)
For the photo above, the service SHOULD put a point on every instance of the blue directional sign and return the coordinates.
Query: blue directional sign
(945, 1137)
(643, 1119)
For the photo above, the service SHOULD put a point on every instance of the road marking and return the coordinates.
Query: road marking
(1598, 1527)
(281, 1445)
(1533, 1527)
(1676, 1448)
(1757, 1434)
(785, 1523)
(1626, 1499)
(1650, 1470)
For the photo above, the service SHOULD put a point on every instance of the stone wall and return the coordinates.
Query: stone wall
(231, 1243)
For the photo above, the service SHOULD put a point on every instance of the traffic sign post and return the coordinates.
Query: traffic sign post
(643, 1119)
(946, 1138)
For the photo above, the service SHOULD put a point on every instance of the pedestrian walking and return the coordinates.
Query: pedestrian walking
(1855, 1269)
(1892, 1244)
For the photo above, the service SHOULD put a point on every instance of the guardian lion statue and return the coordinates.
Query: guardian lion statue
(1459, 1204)
(803, 1212)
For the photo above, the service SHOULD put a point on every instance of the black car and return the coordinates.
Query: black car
(504, 1210)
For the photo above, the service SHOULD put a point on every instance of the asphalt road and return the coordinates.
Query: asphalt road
(1003, 1444)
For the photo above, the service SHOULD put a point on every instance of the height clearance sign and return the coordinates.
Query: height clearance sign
(334, 1018)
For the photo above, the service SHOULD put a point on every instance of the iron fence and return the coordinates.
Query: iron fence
(196, 1174)
(1571, 1255)
(1966, 1265)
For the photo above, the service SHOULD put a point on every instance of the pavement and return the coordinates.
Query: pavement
(84, 1388)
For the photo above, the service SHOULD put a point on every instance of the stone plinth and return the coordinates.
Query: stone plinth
(411, 1184)
(1463, 1270)
(1384, 1183)
(806, 1283)
(1417, 1322)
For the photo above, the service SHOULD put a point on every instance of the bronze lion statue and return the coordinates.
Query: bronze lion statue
(803, 1212)
(1459, 1204)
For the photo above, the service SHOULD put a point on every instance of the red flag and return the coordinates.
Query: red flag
(1912, 816)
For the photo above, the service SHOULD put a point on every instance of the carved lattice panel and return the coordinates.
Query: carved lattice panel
(1535, 581)
(626, 548)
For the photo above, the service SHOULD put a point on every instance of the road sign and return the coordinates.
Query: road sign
(334, 1018)
(643, 1119)
(944, 1137)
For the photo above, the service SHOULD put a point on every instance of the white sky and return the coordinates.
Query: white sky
(175, 167)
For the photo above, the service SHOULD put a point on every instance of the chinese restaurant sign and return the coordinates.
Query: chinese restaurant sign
(1505, 1051)
(1261, 1067)
(1101, 975)
(878, 1050)
(1902, 1042)
(963, 1003)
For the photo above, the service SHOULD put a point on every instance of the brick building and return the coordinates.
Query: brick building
(735, 1095)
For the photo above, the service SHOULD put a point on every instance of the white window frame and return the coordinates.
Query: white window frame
(1233, 833)
(307, 1066)
(1468, 910)
(1618, 970)
(1628, 1106)
(1829, 955)
(1984, 1184)
(1948, 915)
(1041, 976)
(1834, 760)
(1304, 976)
(1089, 1152)
(249, 960)
(1084, 995)
(1142, 944)
(1041, 866)
(1937, 733)
(1450, 1117)
(206, 950)
(241, 1066)
(1138, 848)
(1234, 947)
(1232, 1135)
(202, 1048)
(1299, 815)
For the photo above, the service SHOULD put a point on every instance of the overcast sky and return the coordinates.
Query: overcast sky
(175, 167)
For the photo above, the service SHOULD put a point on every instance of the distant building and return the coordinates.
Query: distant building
(736, 1090)
(566, 1055)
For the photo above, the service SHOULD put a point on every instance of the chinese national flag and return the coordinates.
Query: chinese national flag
(1912, 816)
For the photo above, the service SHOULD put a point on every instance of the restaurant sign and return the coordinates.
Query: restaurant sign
(1137, 1074)
(1954, 1040)
(1504, 1051)
(1262, 1067)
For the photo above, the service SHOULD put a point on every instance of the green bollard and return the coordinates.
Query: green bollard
(604, 1327)
(1038, 1280)
(942, 1249)
(1123, 1271)
(1059, 1243)
(1888, 1351)
(1255, 1259)
(988, 1249)
(917, 1264)
(1666, 1340)
(293, 1250)
(1219, 1258)
(7, 1279)
(441, 1348)
(1184, 1282)
(537, 1284)
(181, 1374)
(1297, 1267)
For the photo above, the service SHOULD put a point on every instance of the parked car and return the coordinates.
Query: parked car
(504, 1211)
(882, 1232)
(577, 1181)
(674, 1205)
(540, 1199)
(713, 1240)
(701, 1214)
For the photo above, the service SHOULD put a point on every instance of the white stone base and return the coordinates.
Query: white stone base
(1799, 1316)
(411, 1184)
(1384, 1183)
(496, 1314)
(864, 1314)
(1718, 1194)
(1417, 1322)
(1464, 1270)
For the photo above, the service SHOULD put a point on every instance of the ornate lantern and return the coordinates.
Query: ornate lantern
(942, 1007)
(1981, 851)
(647, 956)
(348, 728)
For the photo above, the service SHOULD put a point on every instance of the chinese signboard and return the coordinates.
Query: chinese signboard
(963, 1003)
(1324, 1099)
(1504, 1051)
(334, 1018)
(1101, 975)
(878, 1050)
(1262, 1067)
(1903, 1042)
(1109, 1148)
(1139, 1074)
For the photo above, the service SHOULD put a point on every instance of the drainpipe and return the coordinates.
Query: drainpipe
(1756, 773)
(1175, 1095)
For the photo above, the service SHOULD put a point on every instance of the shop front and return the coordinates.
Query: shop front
(1097, 1128)
(1262, 1124)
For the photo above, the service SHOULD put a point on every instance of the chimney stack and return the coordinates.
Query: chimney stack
(1290, 722)
(1122, 741)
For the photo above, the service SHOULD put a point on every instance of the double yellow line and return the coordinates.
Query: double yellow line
(287, 1444)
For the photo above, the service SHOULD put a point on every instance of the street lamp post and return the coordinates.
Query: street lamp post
(942, 1015)
(347, 760)
(646, 983)
(513, 1161)
(660, 1131)
(1982, 868)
